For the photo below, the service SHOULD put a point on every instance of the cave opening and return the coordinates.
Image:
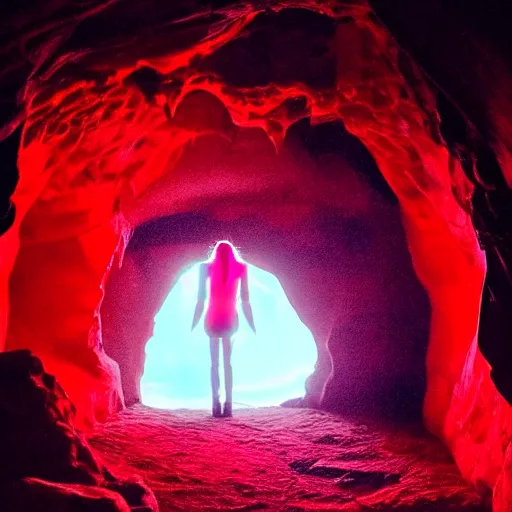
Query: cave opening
(270, 366)
(333, 236)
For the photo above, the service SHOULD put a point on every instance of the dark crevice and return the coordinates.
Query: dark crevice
(8, 178)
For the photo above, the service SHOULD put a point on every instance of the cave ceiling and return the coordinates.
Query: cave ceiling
(111, 93)
(269, 63)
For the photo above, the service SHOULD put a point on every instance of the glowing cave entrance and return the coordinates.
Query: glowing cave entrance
(268, 367)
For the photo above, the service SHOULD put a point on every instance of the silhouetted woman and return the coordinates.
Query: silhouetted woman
(225, 274)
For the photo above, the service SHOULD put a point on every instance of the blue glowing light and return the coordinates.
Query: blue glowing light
(268, 367)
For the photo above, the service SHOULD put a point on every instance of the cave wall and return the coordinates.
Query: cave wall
(475, 72)
(55, 292)
(99, 107)
(475, 76)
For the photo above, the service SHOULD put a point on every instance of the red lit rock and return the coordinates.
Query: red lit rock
(105, 141)
(302, 459)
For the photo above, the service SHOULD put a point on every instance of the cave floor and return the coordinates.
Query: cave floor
(279, 459)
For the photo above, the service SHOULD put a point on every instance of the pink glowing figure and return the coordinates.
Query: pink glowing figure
(225, 274)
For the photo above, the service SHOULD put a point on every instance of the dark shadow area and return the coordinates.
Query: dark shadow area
(289, 46)
(333, 138)
(8, 178)
(491, 206)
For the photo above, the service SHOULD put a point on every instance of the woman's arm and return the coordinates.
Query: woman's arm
(246, 306)
(201, 294)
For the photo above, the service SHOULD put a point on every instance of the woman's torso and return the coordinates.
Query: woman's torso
(223, 291)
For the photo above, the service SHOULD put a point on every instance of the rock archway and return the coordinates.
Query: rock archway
(109, 115)
(335, 242)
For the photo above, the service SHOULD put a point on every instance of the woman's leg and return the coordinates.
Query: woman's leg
(228, 375)
(214, 353)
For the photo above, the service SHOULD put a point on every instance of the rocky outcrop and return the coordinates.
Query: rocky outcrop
(46, 463)
(335, 242)
(107, 110)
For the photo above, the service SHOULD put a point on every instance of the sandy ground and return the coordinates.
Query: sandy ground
(278, 459)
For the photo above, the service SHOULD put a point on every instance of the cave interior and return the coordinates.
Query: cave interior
(360, 151)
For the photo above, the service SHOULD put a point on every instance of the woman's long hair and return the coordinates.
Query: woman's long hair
(224, 254)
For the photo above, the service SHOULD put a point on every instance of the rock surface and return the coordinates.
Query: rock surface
(276, 459)
(46, 464)
(334, 240)
(100, 105)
